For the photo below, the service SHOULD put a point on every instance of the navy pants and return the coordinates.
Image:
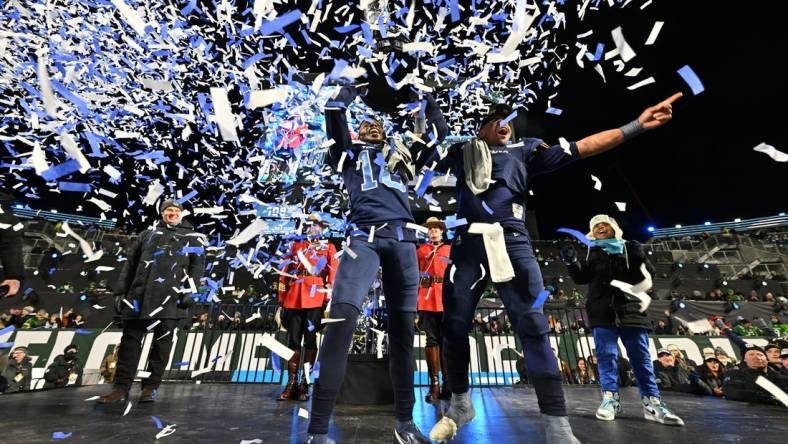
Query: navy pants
(463, 286)
(352, 282)
(636, 342)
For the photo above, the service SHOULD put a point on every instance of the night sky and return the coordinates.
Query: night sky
(700, 167)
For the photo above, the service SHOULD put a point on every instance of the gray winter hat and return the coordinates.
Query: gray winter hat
(169, 203)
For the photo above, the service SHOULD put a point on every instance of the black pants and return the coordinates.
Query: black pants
(134, 330)
(297, 323)
(430, 324)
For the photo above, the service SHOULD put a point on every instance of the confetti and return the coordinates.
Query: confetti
(772, 152)
(652, 37)
(691, 79)
(577, 235)
(61, 435)
(775, 391)
(597, 183)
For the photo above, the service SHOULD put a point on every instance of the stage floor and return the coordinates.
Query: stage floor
(229, 413)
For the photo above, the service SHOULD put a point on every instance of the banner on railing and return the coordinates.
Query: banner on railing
(242, 357)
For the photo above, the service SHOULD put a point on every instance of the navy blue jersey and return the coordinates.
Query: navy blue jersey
(376, 195)
(512, 165)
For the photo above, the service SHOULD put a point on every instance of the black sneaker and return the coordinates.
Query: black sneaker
(408, 433)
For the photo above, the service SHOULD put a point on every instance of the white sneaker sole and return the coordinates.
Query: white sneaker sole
(444, 430)
(604, 418)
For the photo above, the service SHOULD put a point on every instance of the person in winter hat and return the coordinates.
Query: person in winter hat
(614, 314)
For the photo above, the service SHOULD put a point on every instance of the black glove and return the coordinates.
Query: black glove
(568, 254)
(119, 303)
(185, 302)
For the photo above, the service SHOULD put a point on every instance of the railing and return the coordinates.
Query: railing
(495, 349)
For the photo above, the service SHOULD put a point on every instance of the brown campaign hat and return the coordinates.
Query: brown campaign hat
(435, 222)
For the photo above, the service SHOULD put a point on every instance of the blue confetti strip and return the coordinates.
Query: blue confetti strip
(275, 363)
(187, 197)
(159, 425)
(75, 187)
(487, 208)
(554, 111)
(691, 79)
(541, 298)
(9, 329)
(61, 435)
(60, 170)
(456, 223)
(280, 23)
(508, 119)
(310, 326)
(193, 250)
(82, 331)
(78, 101)
(577, 235)
(6, 345)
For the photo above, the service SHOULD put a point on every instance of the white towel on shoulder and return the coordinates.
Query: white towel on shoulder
(501, 269)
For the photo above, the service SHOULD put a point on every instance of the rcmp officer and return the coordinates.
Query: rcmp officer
(433, 260)
(308, 271)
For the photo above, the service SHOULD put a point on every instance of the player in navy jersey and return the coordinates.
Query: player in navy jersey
(380, 237)
(492, 182)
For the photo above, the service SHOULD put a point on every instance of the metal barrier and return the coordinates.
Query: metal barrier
(229, 350)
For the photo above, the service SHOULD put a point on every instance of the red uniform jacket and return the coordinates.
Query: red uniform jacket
(303, 292)
(433, 262)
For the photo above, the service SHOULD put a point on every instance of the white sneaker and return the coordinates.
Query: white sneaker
(656, 410)
(610, 406)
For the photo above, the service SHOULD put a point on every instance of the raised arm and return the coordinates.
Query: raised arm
(336, 124)
(653, 117)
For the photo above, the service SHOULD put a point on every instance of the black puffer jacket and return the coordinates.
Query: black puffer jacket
(607, 306)
(18, 375)
(160, 261)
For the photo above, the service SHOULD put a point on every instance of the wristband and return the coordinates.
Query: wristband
(632, 129)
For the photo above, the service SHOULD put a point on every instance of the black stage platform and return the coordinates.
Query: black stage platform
(224, 413)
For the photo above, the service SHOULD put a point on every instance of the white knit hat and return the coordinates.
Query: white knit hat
(600, 218)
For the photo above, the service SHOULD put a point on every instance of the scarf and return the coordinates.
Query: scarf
(477, 162)
(610, 246)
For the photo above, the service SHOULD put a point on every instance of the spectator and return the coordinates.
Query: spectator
(784, 357)
(740, 385)
(479, 326)
(16, 376)
(772, 351)
(65, 370)
(626, 376)
(745, 328)
(687, 364)
(663, 328)
(672, 377)
(222, 323)
(53, 322)
(754, 297)
(108, 366)
(39, 320)
(711, 374)
(237, 323)
(725, 360)
(78, 322)
(202, 323)
(584, 375)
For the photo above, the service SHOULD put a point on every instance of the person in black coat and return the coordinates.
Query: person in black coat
(64, 370)
(16, 376)
(740, 385)
(10, 249)
(163, 267)
(614, 315)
